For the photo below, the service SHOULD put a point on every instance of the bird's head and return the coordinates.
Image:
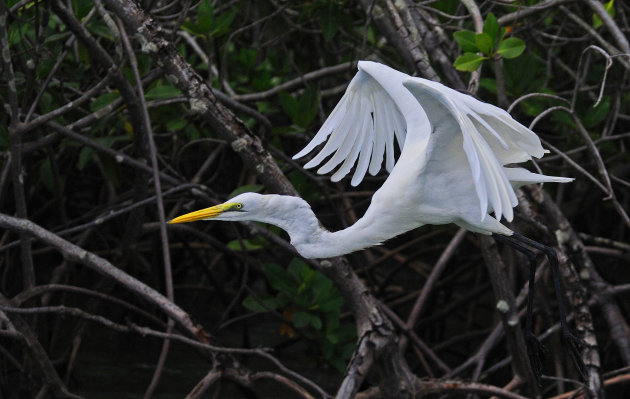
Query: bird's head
(246, 206)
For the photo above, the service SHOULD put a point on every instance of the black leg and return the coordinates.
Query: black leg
(535, 349)
(570, 340)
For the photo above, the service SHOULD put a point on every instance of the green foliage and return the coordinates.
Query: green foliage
(302, 110)
(594, 115)
(491, 28)
(468, 62)
(162, 92)
(247, 245)
(208, 24)
(610, 9)
(104, 100)
(314, 305)
(491, 43)
(46, 175)
(330, 20)
(524, 74)
(466, 40)
(484, 43)
(307, 188)
(511, 48)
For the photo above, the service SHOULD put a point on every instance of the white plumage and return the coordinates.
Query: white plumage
(453, 149)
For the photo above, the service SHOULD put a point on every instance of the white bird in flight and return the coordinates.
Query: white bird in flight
(453, 149)
(451, 169)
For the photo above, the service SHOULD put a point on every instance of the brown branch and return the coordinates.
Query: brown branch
(475, 14)
(204, 384)
(249, 379)
(150, 139)
(580, 394)
(507, 308)
(576, 289)
(372, 325)
(436, 272)
(331, 70)
(50, 379)
(423, 387)
(201, 97)
(609, 23)
(96, 263)
(15, 149)
(403, 21)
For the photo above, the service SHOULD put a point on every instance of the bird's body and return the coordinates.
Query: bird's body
(453, 149)
(451, 169)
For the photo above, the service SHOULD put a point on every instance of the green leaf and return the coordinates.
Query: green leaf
(329, 21)
(162, 92)
(307, 108)
(511, 47)
(280, 279)
(207, 23)
(46, 103)
(260, 304)
(332, 338)
(103, 100)
(491, 27)
(596, 115)
(468, 62)
(85, 155)
(332, 305)
(99, 28)
(316, 322)
(204, 17)
(489, 84)
(237, 245)
(301, 319)
(484, 42)
(176, 124)
(332, 322)
(46, 175)
(289, 104)
(300, 271)
(222, 23)
(56, 37)
(248, 188)
(610, 9)
(466, 40)
(111, 170)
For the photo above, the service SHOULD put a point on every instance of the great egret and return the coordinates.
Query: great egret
(453, 149)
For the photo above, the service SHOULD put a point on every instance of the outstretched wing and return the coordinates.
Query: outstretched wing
(454, 114)
(363, 126)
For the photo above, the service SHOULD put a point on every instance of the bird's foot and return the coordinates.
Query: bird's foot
(574, 345)
(536, 352)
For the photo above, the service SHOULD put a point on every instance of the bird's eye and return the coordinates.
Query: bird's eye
(239, 206)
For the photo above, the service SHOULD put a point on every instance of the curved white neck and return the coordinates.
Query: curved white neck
(312, 240)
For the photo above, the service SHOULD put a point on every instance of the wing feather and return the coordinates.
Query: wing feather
(360, 130)
(492, 186)
(338, 134)
(389, 138)
(352, 156)
(349, 135)
(515, 143)
(336, 116)
(366, 151)
(380, 136)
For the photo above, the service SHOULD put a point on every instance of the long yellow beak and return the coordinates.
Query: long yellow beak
(207, 213)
